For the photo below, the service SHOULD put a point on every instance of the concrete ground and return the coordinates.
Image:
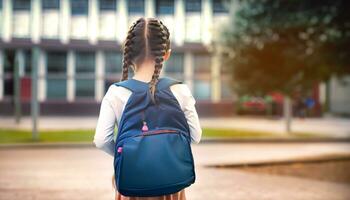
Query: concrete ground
(333, 127)
(85, 173)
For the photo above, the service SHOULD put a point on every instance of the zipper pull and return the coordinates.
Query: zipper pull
(144, 127)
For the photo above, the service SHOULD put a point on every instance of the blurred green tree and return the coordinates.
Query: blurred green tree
(286, 46)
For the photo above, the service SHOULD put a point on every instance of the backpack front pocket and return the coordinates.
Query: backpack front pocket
(155, 162)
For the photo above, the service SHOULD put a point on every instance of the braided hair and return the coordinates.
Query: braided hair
(146, 38)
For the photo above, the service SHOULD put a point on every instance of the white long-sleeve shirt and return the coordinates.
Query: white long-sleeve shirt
(113, 104)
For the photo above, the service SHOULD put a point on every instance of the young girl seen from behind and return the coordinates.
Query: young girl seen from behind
(146, 48)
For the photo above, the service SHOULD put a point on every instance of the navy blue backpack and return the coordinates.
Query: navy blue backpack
(153, 154)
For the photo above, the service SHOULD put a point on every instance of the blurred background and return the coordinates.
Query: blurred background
(79, 52)
(271, 80)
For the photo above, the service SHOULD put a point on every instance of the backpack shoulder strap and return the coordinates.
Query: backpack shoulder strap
(138, 86)
(166, 82)
(132, 85)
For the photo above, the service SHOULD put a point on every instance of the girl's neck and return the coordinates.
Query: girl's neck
(144, 72)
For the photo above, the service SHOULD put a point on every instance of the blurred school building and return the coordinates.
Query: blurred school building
(80, 51)
(80, 44)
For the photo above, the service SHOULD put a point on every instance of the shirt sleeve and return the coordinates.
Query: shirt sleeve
(104, 133)
(187, 103)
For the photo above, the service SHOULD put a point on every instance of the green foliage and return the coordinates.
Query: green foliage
(286, 45)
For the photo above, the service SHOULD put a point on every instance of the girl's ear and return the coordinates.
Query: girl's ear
(167, 55)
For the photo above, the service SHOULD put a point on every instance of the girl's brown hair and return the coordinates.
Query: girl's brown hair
(147, 39)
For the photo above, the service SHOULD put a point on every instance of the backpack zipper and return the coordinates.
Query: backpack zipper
(144, 123)
(155, 132)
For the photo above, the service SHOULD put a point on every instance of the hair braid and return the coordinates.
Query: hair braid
(157, 68)
(128, 50)
(159, 44)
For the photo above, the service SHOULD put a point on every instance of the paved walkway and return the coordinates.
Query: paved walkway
(85, 173)
(334, 127)
(337, 127)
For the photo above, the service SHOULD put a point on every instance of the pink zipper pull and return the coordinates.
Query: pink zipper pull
(144, 127)
(120, 149)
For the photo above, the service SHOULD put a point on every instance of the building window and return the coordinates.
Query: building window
(84, 88)
(174, 67)
(136, 6)
(175, 64)
(113, 62)
(165, 7)
(220, 6)
(85, 63)
(56, 75)
(85, 74)
(21, 5)
(202, 63)
(202, 89)
(56, 88)
(202, 75)
(79, 7)
(51, 4)
(108, 5)
(113, 67)
(9, 66)
(27, 62)
(193, 5)
(56, 63)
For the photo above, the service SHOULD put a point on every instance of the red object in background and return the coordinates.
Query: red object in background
(255, 103)
(277, 97)
(26, 91)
